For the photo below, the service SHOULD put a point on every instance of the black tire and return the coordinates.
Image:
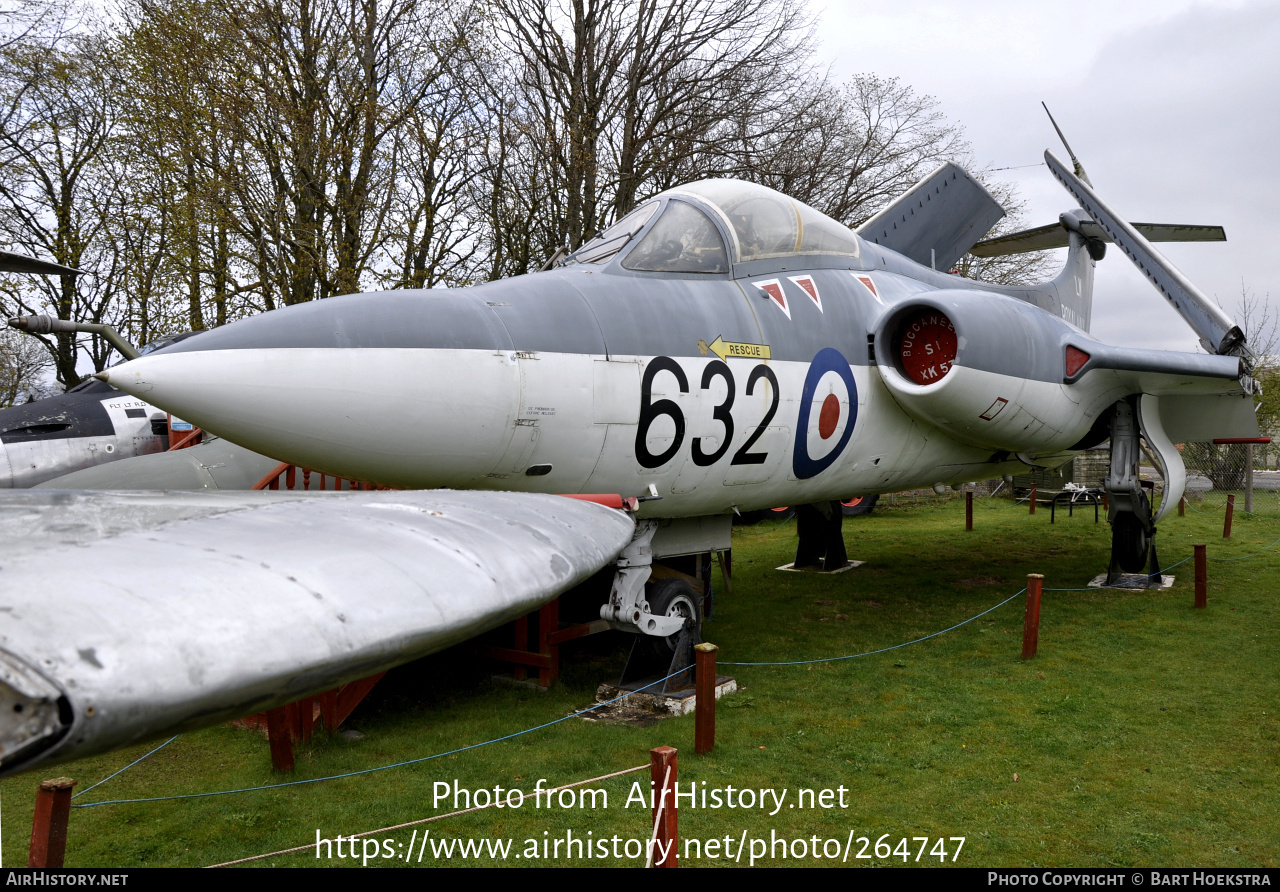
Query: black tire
(859, 505)
(669, 597)
(1130, 543)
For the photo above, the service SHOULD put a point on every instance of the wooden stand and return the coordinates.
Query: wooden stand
(297, 721)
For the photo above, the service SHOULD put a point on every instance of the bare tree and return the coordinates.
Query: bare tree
(610, 101)
(57, 120)
(1011, 269)
(24, 361)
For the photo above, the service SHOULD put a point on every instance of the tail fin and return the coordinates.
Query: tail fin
(1074, 284)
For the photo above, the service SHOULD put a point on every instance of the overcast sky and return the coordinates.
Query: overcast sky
(1173, 108)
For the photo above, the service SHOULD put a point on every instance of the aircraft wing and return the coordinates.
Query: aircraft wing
(1044, 238)
(20, 263)
(124, 616)
(936, 220)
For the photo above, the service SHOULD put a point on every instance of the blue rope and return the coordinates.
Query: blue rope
(881, 650)
(316, 780)
(1094, 588)
(1255, 514)
(127, 767)
(1247, 556)
(1251, 554)
(472, 746)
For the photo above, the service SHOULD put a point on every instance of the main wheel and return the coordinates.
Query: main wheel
(673, 597)
(1130, 543)
(859, 505)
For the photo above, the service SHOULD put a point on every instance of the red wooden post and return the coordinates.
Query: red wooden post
(704, 720)
(1031, 622)
(278, 733)
(1033, 499)
(306, 478)
(1202, 577)
(1182, 507)
(549, 622)
(291, 477)
(49, 823)
(1231, 510)
(968, 509)
(329, 710)
(306, 718)
(662, 770)
(522, 643)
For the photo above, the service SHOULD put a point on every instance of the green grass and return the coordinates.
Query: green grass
(1144, 732)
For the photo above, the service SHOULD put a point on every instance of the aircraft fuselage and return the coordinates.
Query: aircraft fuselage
(579, 380)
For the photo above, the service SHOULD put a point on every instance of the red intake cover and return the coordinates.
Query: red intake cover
(927, 346)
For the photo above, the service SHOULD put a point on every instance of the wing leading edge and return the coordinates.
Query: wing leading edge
(130, 615)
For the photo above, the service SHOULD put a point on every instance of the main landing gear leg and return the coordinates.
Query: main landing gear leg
(821, 538)
(665, 614)
(1133, 529)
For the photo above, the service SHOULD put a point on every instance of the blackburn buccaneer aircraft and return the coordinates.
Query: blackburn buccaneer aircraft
(721, 347)
(91, 424)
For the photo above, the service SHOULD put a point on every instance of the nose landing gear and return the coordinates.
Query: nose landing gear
(1133, 528)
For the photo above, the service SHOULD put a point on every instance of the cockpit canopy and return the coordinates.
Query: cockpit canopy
(761, 224)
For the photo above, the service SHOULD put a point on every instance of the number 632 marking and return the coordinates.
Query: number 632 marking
(651, 410)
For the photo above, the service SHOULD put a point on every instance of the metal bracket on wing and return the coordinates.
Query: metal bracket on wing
(627, 609)
(1166, 454)
(1218, 333)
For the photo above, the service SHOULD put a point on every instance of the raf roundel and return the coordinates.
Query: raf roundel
(828, 411)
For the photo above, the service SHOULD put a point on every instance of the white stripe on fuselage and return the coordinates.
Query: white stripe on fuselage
(482, 418)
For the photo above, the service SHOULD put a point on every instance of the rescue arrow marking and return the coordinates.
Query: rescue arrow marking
(724, 349)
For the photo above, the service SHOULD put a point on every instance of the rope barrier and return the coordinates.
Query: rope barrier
(1240, 510)
(881, 650)
(316, 780)
(452, 814)
(905, 644)
(1094, 588)
(1247, 556)
(581, 712)
(127, 767)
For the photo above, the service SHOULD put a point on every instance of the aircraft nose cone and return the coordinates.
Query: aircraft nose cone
(363, 386)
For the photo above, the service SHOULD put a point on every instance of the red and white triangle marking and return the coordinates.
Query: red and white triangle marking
(809, 287)
(773, 288)
(869, 284)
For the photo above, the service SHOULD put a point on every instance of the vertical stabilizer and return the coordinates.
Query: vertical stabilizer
(1075, 283)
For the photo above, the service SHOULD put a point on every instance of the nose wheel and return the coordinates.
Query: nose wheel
(668, 657)
(1130, 542)
(1133, 528)
(675, 598)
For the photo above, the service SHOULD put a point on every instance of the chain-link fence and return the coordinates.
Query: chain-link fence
(1248, 471)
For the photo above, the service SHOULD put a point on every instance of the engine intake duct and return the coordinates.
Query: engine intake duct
(984, 368)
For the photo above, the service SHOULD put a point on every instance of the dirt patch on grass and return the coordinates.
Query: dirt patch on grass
(979, 582)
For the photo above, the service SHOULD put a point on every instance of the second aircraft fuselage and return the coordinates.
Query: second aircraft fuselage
(720, 392)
